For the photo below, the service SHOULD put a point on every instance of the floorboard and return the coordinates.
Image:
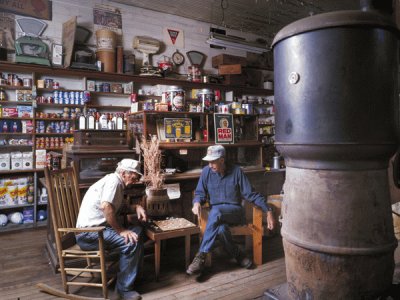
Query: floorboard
(24, 263)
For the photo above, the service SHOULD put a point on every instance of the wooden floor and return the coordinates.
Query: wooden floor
(24, 263)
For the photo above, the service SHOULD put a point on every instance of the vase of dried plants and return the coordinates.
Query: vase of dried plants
(156, 198)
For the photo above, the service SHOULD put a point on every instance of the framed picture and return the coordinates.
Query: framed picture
(224, 131)
(178, 128)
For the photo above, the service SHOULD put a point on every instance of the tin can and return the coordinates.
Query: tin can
(133, 98)
(98, 87)
(207, 100)
(176, 98)
(248, 108)
(106, 87)
(56, 85)
(27, 82)
(48, 83)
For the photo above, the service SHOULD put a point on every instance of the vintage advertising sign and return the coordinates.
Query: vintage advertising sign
(41, 9)
(7, 28)
(173, 37)
(224, 133)
(178, 128)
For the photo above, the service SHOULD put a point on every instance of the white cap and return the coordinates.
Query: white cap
(130, 165)
(214, 152)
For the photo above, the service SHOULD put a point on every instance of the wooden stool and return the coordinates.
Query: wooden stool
(158, 236)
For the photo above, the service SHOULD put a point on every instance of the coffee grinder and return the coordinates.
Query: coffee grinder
(30, 48)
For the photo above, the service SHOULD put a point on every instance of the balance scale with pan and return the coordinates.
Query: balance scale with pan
(30, 48)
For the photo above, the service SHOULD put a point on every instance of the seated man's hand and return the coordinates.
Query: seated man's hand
(129, 236)
(196, 208)
(271, 220)
(141, 213)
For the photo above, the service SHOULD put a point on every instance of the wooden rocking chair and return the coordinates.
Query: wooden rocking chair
(64, 201)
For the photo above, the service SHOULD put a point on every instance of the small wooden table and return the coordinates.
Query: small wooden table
(158, 236)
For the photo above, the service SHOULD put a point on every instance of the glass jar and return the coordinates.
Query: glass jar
(176, 98)
(207, 99)
(195, 73)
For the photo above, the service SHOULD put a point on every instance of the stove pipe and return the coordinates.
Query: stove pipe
(336, 77)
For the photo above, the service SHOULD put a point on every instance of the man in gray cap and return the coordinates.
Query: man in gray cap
(100, 207)
(225, 186)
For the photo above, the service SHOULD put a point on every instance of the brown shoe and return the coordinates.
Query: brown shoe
(197, 265)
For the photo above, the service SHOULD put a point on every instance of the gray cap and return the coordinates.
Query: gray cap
(214, 152)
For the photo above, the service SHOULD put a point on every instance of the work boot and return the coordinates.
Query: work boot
(197, 265)
(243, 261)
(132, 295)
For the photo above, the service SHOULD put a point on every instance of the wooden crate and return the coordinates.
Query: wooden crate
(235, 79)
(226, 59)
(229, 69)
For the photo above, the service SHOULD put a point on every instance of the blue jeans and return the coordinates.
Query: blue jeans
(130, 255)
(219, 219)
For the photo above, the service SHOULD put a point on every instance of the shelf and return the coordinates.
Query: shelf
(12, 87)
(15, 206)
(59, 89)
(50, 149)
(16, 118)
(96, 75)
(14, 146)
(7, 172)
(15, 133)
(156, 112)
(51, 134)
(108, 106)
(110, 94)
(194, 144)
(13, 227)
(194, 174)
(55, 119)
(14, 103)
(53, 105)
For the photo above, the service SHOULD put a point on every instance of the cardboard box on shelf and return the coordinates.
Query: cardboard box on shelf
(25, 111)
(27, 160)
(40, 158)
(226, 59)
(16, 161)
(4, 161)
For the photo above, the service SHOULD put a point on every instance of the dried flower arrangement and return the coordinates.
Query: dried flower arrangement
(153, 176)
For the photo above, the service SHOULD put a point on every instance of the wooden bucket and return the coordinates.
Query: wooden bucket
(106, 43)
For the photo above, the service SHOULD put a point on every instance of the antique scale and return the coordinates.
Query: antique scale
(30, 48)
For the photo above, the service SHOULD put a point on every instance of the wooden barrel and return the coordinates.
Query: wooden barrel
(106, 43)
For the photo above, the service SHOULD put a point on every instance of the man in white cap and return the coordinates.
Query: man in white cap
(100, 207)
(225, 186)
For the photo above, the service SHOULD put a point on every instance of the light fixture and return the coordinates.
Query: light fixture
(236, 43)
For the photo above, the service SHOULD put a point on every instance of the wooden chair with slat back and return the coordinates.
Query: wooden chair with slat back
(65, 201)
(253, 230)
